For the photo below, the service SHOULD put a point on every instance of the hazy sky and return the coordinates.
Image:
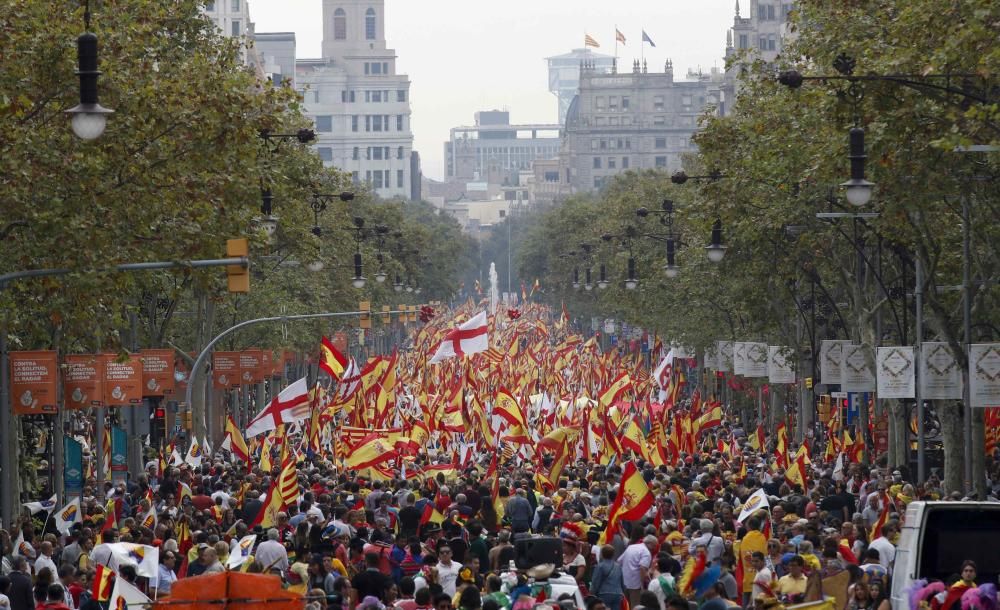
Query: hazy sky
(468, 55)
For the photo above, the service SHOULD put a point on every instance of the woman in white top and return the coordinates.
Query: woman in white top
(574, 562)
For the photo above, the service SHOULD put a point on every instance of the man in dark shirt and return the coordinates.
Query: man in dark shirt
(369, 582)
(21, 597)
(409, 518)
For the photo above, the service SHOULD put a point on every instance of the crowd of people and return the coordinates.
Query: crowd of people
(414, 534)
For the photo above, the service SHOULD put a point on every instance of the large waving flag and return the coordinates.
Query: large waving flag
(469, 338)
(615, 389)
(370, 451)
(505, 406)
(590, 41)
(288, 481)
(145, 558)
(234, 442)
(631, 503)
(331, 360)
(273, 504)
(289, 406)
(44, 505)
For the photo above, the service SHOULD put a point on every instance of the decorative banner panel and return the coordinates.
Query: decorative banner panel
(33, 379)
(755, 360)
(940, 373)
(894, 371)
(712, 358)
(780, 368)
(122, 380)
(739, 358)
(250, 366)
(856, 369)
(225, 370)
(830, 356)
(725, 356)
(157, 372)
(984, 374)
(83, 381)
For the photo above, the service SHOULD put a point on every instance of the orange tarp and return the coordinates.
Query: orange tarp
(230, 591)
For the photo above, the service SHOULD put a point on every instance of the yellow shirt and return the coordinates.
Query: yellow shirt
(754, 541)
(791, 586)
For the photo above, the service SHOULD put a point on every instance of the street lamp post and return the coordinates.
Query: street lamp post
(89, 117)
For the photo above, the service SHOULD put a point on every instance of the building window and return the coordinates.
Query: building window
(628, 143)
(604, 144)
(503, 213)
(399, 152)
(659, 120)
(378, 179)
(354, 122)
(744, 41)
(772, 42)
(385, 153)
(325, 154)
(593, 144)
(377, 122)
(368, 122)
(235, 27)
(357, 153)
(210, 6)
(597, 163)
(368, 176)
(552, 176)
(370, 24)
(350, 97)
(612, 102)
(236, 6)
(401, 95)
(399, 178)
(339, 24)
(762, 43)
(324, 123)
(611, 163)
(658, 103)
(661, 143)
(661, 162)
(599, 102)
(376, 153)
(598, 182)
(367, 66)
(399, 122)
(343, 96)
(385, 67)
(624, 103)
(624, 162)
(355, 177)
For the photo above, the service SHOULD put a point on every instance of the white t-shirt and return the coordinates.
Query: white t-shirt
(448, 575)
(761, 580)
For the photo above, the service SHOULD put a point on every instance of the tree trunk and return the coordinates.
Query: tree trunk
(899, 437)
(950, 414)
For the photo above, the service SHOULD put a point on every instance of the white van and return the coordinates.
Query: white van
(938, 536)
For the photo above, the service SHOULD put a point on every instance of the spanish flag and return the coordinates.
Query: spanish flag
(883, 517)
(631, 503)
(507, 407)
(611, 393)
(370, 451)
(431, 514)
(273, 504)
(331, 360)
(234, 442)
(796, 473)
(781, 450)
(104, 580)
(757, 438)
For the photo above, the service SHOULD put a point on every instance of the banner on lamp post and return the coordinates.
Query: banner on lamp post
(724, 356)
(940, 373)
(739, 358)
(83, 381)
(831, 353)
(33, 378)
(984, 374)
(122, 380)
(755, 359)
(894, 370)
(158, 372)
(225, 370)
(779, 364)
(856, 369)
(119, 455)
(250, 366)
(72, 467)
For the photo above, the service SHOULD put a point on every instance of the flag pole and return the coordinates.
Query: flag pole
(616, 47)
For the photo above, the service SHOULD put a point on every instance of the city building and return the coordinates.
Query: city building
(276, 53)
(232, 17)
(564, 75)
(359, 104)
(495, 151)
(762, 33)
(632, 121)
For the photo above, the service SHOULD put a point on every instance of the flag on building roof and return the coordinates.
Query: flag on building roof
(590, 41)
(646, 38)
(619, 37)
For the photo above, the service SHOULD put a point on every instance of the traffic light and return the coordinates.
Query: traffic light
(366, 318)
(238, 275)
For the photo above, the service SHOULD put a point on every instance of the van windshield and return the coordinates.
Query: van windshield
(954, 535)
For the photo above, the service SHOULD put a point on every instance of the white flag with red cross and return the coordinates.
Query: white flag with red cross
(469, 338)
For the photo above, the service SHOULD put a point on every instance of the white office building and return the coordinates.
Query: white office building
(358, 102)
